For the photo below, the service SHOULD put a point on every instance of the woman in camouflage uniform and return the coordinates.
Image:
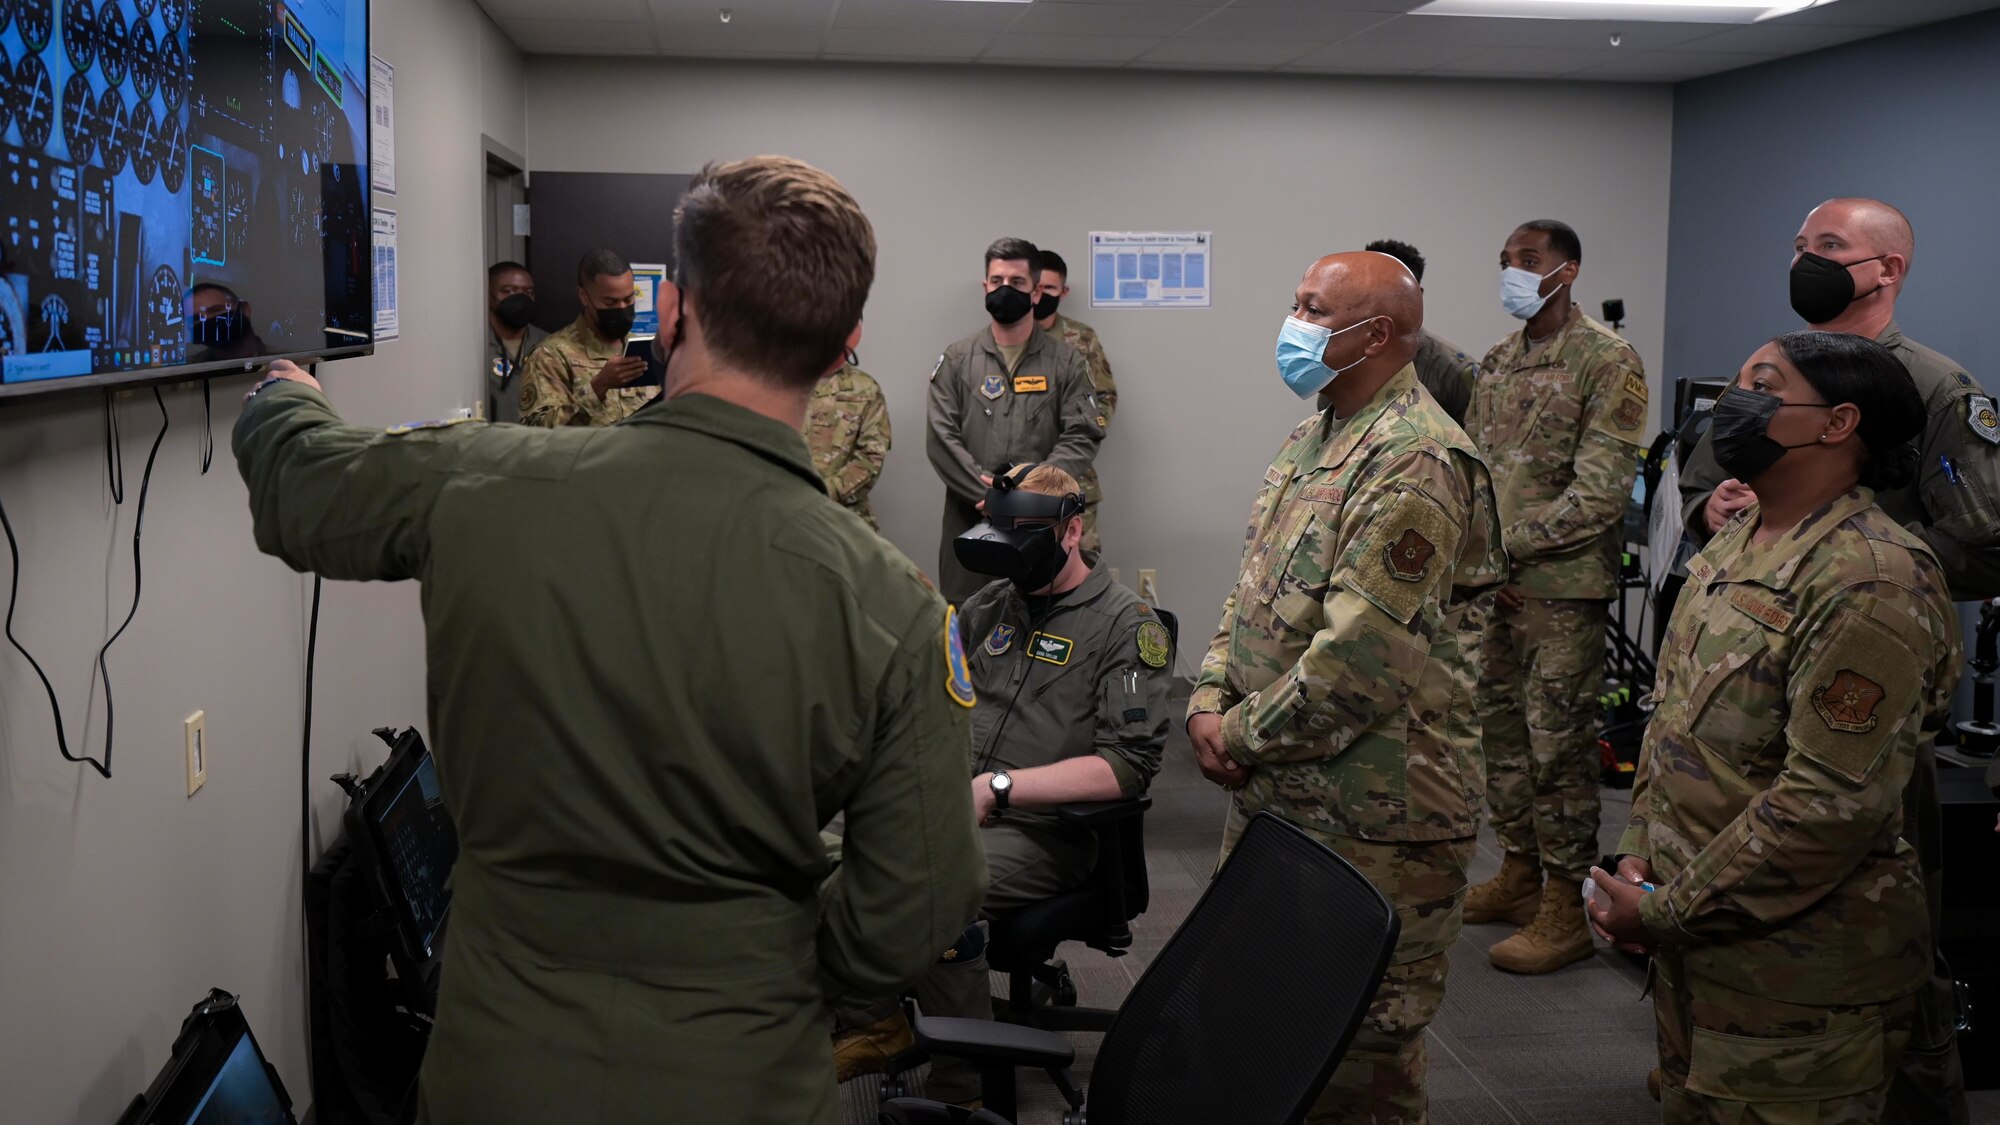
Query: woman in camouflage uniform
(1764, 865)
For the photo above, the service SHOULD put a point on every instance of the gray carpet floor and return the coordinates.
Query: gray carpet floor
(1571, 1048)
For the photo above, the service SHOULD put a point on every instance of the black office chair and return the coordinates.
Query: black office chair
(1099, 913)
(1242, 1017)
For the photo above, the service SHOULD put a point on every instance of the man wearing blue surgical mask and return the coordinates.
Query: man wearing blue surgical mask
(1336, 692)
(1559, 411)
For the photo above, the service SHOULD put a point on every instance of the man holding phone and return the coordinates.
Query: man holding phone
(585, 375)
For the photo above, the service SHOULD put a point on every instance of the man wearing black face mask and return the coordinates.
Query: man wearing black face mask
(511, 337)
(1849, 262)
(1008, 394)
(581, 376)
(1072, 673)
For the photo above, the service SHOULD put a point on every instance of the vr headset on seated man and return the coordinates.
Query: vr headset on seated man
(1021, 536)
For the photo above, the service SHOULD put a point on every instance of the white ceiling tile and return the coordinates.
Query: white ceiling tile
(1105, 19)
(734, 38)
(590, 10)
(927, 15)
(1016, 47)
(1535, 62)
(1226, 52)
(1883, 13)
(1480, 31)
(1389, 58)
(547, 37)
(1667, 66)
(785, 13)
(889, 43)
(1267, 23)
(1773, 39)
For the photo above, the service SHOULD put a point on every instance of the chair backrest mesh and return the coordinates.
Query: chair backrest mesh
(1244, 1014)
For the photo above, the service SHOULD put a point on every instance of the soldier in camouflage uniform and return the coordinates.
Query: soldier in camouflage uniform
(1327, 693)
(1006, 395)
(579, 376)
(1442, 367)
(1050, 290)
(847, 428)
(1559, 413)
(1813, 648)
(1953, 506)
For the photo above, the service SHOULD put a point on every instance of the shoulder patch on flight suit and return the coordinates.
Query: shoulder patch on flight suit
(938, 366)
(993, 386)
(1050, 648)
(437, 424)
(1030, 384)
(1153, 644)
(957, 674)
(1981, 416)
(1396, 573)
(1847, 703)
(1000, 639)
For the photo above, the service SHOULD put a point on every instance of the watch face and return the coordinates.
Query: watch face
(35, 107)
(142, 144)
(114, 131)
(79, 30)
(112, 44)
(79, 118)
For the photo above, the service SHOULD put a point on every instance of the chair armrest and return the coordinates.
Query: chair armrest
(923, 1111)
(993, 1041)
(1096, 814)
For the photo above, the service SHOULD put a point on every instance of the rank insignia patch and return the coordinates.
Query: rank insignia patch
(1848, 703)
(1154, 645)
(1410, 556)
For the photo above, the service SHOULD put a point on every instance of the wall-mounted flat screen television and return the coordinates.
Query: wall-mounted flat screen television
(183, 188)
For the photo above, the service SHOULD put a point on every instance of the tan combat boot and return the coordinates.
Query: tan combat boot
(1509, 896)
(1558, 936)
(868, 1049)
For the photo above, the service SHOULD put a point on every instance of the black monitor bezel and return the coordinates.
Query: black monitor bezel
(203, 1047)
(364, 826)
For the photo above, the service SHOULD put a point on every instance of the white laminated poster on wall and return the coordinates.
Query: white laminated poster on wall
(1150, 269)
(646, 279)
(385, 275)
(382, 124)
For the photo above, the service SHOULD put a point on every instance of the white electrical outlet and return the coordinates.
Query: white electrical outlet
(195, 731)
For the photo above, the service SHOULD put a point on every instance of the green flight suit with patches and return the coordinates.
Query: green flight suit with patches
(642, 722)
(1561, 423)
(1335, 670)
(1797, 679)
(983, 415)
(1084, 339)
(847, 428)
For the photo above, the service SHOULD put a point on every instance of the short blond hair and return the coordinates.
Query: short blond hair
(1048, 480)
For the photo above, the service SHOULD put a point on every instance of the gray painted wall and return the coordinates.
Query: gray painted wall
(122, 901)
(1281, 169)
(1909, 118)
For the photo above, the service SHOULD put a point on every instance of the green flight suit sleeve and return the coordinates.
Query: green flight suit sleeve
(945, 442)
(1381, 612)
(862, 467)
(1606, 460)
(1962, 505)
(1076, 445)
(1132, 704)
(912, 872)
(1700, 477)
(341, 501)
(1860, 681)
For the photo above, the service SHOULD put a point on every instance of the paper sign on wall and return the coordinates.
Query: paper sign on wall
(1150, 269)
(382, 124)
(385, 275)
(646, 281)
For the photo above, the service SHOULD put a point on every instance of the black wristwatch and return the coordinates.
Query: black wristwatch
(1003, 787)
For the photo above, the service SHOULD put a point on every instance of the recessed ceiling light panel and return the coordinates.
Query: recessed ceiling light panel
(1653, 11)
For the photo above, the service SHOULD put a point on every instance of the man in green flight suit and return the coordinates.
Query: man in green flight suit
(1006, 395)
(1329, 692)
(1050, 289)
(691, 663)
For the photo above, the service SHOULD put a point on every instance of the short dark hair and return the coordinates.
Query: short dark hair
(601, 262)
(1562, 239)
(215, 285)
(494, 271)
(1016, 250)
(779, 259)
(1846, 368)
(1402, 252)
(1048, 261)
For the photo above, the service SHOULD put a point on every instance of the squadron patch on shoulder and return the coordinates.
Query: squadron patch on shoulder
(1154, 644)
(1410, 556)
(957, 674)
(1000, 639)
(1629, 414)
(1981, 416)
(1848, 703)
(993, 386)
(938, 366)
